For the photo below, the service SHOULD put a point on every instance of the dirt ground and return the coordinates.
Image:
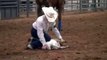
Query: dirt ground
(86, 34)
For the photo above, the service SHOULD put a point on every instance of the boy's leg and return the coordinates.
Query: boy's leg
(34, 40)
(34, 33)
(35, 43)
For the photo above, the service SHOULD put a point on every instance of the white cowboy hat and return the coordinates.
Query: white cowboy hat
(50, 13)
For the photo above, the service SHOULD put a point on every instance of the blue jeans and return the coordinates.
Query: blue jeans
(35, 42)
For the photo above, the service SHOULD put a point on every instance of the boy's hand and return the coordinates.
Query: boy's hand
(45, 46)
(62, 42)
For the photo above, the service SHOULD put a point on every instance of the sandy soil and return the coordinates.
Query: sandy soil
(86, 34)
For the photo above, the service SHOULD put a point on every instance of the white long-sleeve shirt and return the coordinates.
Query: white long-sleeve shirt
(41, 25)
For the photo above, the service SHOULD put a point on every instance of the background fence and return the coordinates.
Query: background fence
(85, 5)
(9, 9)
(18, 8)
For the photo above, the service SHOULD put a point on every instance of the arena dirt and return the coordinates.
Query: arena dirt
(86, 34)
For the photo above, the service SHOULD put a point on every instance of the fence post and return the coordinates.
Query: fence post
(94, 5)
(18, 7)
(71, 5)
(28, 7)
(80, 6)
(106, 4)
(0, 11)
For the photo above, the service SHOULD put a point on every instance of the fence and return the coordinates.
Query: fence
(17, 8)
(70, 5)
(85, 5)
(9, 9)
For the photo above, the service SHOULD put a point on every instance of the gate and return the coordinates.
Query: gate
(9, 9)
